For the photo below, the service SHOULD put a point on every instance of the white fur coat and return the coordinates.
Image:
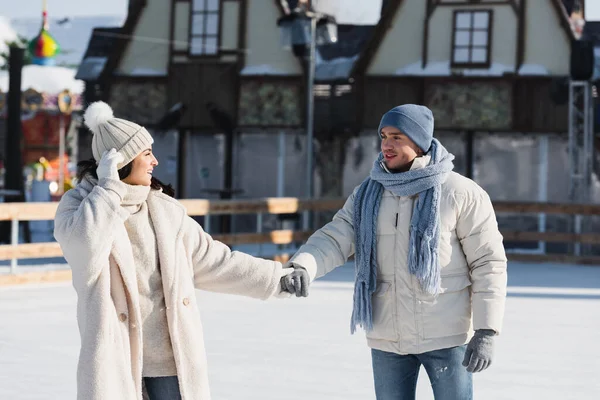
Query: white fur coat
(89, 226)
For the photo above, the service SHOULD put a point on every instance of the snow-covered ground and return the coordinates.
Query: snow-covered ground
(302, 349)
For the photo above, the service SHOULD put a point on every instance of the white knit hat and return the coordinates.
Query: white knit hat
(126, 137)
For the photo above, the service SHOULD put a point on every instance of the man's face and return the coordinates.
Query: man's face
(398, 150)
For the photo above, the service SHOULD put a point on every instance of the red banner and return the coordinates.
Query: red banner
(43, 129)
(41, 136)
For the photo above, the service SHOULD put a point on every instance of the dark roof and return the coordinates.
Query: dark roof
(99, 49)
(351, 41)
(291, 4)
(591, 31)
(390, 8)
(561, 10)
(102, 42)
(107, 45)
(338, 58)
(570, 5)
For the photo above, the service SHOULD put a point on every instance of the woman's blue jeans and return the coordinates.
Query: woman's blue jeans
(163, 388)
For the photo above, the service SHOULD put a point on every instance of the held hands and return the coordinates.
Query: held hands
(297, 282)
(480, 349)
(107, 166)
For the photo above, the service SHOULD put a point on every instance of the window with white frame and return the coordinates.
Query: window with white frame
(204, 30)
(471, 38)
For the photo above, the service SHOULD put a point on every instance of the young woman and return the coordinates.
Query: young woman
(137, 259)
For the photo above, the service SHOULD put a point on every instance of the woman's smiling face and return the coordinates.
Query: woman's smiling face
(141, 169)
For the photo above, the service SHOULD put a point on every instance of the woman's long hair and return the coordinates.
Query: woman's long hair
(87, 168)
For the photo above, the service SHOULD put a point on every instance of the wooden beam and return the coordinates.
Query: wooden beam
(63, 275)
(52, 249)
(548, 208)
(451, 3)
(274, 237)
(554, 237)
(385, 23)
(555, 258)
(563, 19)
(284, 9)
(30, 250)
(45, 211)
(28, 211)
(133, 17)
(270, 206)
(171, 31)
(46, 250)
(521, 34)
(429, 7)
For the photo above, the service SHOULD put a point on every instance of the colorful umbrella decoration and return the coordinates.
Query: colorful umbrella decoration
(43, 47)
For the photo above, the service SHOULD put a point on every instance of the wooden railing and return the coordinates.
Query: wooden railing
(16, 212)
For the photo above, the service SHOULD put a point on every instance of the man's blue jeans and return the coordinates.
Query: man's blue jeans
(163, 388)
(396, 375)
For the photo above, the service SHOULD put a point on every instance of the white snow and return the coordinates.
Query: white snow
(91, 68)
(45, 79)
(263, 69)
(301, 349)
(431, 69)
(7, 34)
(336, 68)
(495, 69)
(442, 68)
(143, 71)
(533, 69)
(351, 12)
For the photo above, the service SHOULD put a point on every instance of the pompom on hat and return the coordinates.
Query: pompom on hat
(126, 137)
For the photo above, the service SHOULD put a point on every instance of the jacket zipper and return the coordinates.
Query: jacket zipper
(396, 223)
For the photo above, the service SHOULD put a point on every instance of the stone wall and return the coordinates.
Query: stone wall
(141, 102)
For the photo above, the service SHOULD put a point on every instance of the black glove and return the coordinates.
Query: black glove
(480, 351)
(297, 282)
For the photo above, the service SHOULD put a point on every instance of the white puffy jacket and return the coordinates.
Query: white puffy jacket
(472, 258)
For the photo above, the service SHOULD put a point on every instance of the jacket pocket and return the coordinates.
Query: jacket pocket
(449, 313)
(383, 302)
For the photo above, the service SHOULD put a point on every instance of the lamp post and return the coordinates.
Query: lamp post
(304, 29)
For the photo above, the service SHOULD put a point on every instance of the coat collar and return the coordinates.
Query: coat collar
(418, 163)
(167, 216)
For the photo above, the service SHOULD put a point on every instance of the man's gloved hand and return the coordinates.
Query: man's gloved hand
(107, 166)
(297, 282)
(480, 351)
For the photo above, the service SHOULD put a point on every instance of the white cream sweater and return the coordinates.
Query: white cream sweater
(158, 359)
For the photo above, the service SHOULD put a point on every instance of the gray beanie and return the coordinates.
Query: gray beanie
(126, 137)
(414, 121)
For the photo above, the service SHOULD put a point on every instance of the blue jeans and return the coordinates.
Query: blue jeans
(163, 388)
(396, 376)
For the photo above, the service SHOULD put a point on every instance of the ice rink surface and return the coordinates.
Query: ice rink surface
(301, 349)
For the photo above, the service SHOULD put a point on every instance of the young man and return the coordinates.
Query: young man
(430, 265)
